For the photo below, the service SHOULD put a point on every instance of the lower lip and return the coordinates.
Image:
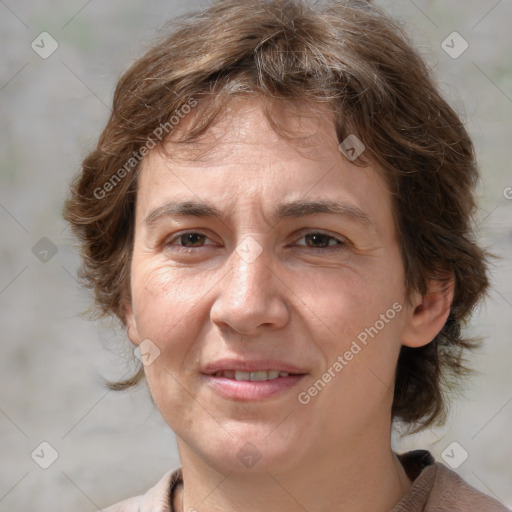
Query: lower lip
(252, 390)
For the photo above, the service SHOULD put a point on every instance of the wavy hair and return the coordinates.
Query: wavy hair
(350, 56)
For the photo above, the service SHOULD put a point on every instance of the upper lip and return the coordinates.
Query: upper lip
(251, 366)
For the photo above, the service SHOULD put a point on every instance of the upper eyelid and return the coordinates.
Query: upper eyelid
(337, 236)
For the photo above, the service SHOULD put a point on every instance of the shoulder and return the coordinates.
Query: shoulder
(454, 493)
(436, 488)
(156, 499)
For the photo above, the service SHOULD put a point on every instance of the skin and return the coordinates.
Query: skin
(303, 300)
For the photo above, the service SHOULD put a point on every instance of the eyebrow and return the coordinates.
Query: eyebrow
(293, 209)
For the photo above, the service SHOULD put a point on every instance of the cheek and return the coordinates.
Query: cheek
(362, 315)
(164, 297)
(170, 309)
(345, 303)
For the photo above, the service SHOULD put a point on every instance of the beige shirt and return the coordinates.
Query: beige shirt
(435, 488)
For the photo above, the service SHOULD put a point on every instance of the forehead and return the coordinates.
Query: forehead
(247, 121)
(243, 159)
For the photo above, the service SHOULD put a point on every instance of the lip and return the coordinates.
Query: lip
(247, 391)
(251, 366)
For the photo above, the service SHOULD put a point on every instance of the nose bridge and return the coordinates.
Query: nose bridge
(249, 295)
(250, 267)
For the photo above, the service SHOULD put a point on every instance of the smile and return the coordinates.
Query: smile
(251, 376)
(243, 386)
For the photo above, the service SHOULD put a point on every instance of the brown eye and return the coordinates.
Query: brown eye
(188, 240)
(320, 241)
(192, 239)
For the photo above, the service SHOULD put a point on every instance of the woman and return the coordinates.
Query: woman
(278, 212)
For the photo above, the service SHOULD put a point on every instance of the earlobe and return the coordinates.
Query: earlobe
(428, 313)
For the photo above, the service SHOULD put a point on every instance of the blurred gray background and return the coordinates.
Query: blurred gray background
(53, 362)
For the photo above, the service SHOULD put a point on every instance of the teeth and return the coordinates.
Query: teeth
(251, 376)
(259, 375)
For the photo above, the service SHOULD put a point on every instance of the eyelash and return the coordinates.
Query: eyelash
(341, 241)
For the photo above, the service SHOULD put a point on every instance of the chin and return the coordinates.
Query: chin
(252, 450)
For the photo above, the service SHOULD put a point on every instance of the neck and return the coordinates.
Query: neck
(360, 477)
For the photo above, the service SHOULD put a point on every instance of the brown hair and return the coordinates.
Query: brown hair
(348, 55)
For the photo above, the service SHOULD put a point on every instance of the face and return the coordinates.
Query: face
(268, 280)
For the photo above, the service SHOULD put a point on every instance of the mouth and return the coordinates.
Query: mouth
(257, 376)
(251, 381)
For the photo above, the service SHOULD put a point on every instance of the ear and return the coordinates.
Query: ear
(131, 326)
(428, 313)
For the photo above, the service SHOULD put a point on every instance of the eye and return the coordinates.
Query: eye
(188, 240)
(313, 240)
(322, 241)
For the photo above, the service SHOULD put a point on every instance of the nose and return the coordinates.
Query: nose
(251, 297)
